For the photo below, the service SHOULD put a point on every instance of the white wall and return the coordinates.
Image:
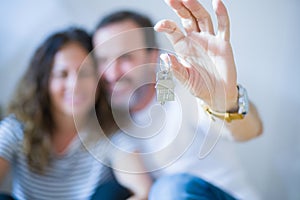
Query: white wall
(265, 37)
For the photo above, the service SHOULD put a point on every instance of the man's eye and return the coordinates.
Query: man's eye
(86, 73)
(125, 57)
(101, 61)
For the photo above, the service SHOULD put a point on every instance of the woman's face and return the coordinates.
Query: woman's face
(73, 81)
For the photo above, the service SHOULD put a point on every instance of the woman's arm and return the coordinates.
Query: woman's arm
(131, 173)
(4, 168)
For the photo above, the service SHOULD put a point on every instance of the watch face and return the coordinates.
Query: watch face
(243, 100)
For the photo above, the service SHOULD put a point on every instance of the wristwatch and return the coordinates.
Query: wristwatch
(242, 111)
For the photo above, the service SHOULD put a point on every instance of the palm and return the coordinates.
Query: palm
(211, 58)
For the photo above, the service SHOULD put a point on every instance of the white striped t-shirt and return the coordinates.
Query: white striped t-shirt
(72, 176)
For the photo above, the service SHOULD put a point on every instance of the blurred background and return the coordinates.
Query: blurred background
(265, 37)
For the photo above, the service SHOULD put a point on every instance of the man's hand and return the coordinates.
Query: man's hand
(206, 65)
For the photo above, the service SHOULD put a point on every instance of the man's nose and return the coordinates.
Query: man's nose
(115, 71)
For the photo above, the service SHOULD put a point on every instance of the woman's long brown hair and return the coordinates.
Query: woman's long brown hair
(31, 101)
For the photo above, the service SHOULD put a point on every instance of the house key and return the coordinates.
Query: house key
(164, 83)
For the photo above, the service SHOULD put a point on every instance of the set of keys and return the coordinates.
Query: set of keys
(164, 83)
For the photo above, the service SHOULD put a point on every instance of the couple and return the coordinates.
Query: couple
(57, 99)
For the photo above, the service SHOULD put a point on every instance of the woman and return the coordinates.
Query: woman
(40, 143)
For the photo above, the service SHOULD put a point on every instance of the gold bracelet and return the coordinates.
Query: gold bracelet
(243, 109)
(224, 116)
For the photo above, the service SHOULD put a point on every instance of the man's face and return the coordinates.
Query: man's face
(124, 63)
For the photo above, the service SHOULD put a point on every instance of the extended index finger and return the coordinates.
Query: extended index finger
(172, 31)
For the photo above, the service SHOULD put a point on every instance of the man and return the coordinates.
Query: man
(174, 135)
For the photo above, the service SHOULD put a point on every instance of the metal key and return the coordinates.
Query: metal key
(164, 84)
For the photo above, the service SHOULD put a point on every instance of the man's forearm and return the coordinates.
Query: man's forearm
(247, 128)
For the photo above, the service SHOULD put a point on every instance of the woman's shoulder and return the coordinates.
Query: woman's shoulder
(11, 126)
(11, 137)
